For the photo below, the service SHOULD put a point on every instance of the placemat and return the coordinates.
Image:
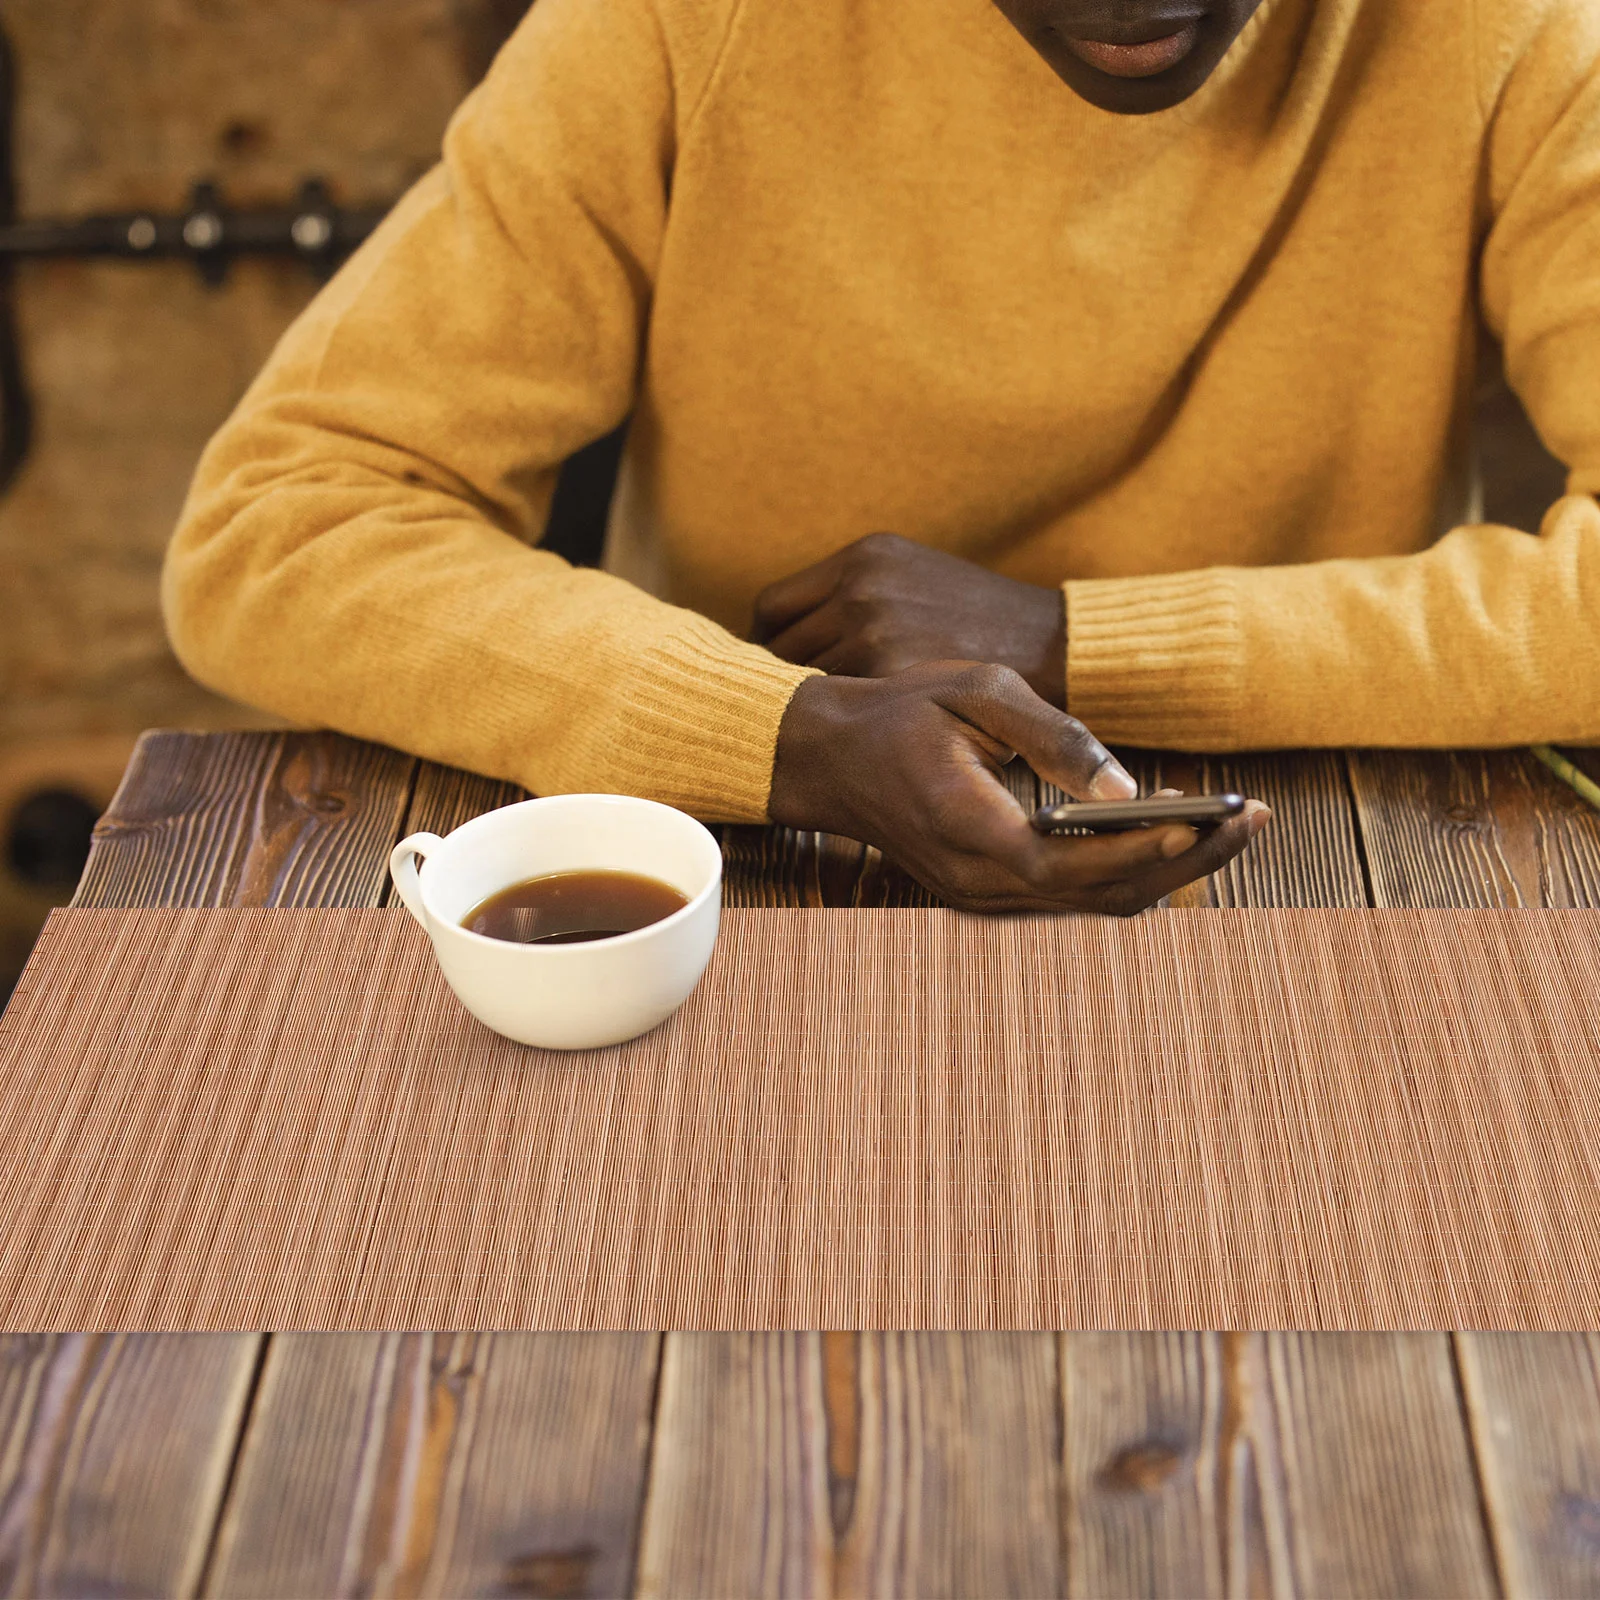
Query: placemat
(866, 1119)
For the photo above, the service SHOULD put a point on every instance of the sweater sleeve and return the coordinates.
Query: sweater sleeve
(358, 549)
(1491, 636)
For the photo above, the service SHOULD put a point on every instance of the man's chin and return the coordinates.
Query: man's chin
(1128, 97)
(1065, 37)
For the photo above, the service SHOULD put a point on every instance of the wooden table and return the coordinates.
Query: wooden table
(922, 1464)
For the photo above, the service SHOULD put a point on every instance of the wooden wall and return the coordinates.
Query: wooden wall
(125, 104)
(132, 366)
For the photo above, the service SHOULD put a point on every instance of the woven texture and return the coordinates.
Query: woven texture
(1311, 1119)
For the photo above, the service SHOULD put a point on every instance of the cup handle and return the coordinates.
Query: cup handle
(403, 869)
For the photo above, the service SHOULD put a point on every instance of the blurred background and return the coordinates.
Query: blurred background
(157, 233)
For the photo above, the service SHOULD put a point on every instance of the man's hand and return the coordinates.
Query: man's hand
(884, 604)
(912, 764)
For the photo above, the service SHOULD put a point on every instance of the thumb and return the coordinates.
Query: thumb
(1058, 747)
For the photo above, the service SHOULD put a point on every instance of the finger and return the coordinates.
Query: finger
(985, 884)
(1059, 865)
(789, 599)
(1058, 747)
(806, 638)
(976, 815)
(1162, 794)
(1213, 851)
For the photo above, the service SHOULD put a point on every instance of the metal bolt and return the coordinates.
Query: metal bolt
(142, 234)
(203, 231)
(311, 232)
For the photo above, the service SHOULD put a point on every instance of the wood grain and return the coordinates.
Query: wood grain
(908, 1510)
(1474, 828)
(443, 798)
(1308, 857)
(1378, 1479)
(101, 1493)
(956, 1488)
(1205, 1464)
(738, 1497)
(116, 1451)
(918, 1464)
(432, 1464)
(1535, 1404)
(246, 819)
(1309, 854)
(1171, 1485)
(788, 867)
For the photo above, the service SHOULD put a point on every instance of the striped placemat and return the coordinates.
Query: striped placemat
(866, 1119)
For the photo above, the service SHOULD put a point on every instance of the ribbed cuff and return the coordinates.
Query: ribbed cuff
(1157, 661)
(700, 718)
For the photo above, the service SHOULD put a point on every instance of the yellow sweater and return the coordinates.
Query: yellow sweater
(856, 270)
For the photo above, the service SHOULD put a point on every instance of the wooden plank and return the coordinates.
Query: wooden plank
(737, 1501)
(921, 1464)
(421, 1464)
(433, 1464)
(1494, 828)
(1378, 1482)
(1478, 828)
(771, 866)
(738, 1497)
(1310, 854)
(1379, 1488)
(1535, 1404)
(1205, 1465)
(787, 867)
(953, 1483)
(249, 819)
(1243, 1514)
(1170, 1488)
(1284, 1464)
(114, 1453)
(102, 1493)
(445, 797)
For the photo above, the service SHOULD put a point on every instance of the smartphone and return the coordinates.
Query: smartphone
(1117, 816)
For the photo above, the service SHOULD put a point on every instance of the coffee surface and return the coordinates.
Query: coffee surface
(573, 907)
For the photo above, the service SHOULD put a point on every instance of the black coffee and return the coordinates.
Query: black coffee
(572, 907)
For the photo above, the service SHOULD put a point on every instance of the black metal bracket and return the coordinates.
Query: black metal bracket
(314, 231)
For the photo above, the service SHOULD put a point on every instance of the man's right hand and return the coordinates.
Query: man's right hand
(911, 763)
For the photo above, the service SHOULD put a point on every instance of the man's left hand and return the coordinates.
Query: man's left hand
(883, 604)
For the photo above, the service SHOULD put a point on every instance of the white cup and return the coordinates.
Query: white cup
(566, 996)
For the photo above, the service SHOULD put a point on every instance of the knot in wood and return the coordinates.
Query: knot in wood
(1581, 1518)
(1141, 1468)
(549, 1574)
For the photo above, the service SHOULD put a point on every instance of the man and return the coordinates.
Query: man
(1148, 324)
